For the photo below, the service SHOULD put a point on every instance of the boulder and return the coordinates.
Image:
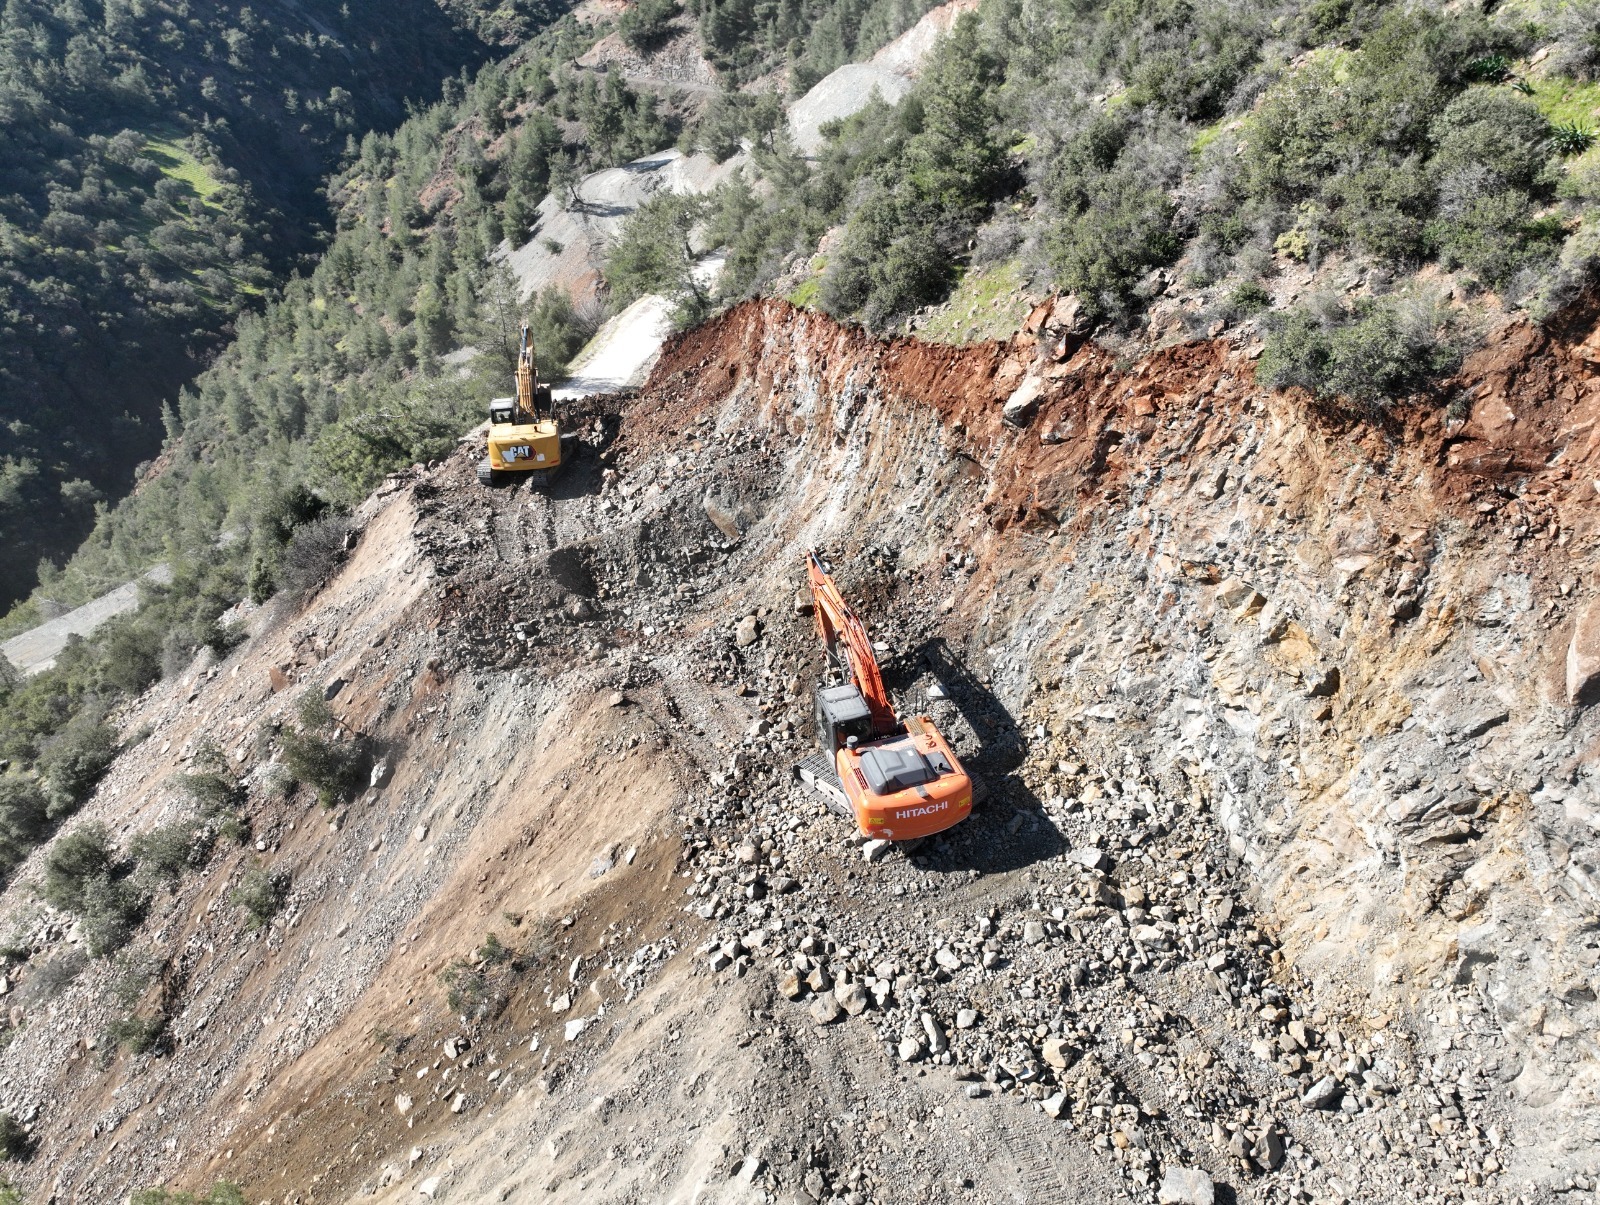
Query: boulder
(1583, 656)
(1186, 1186)
(1023, 403)
(1324, 1094)
(1058, 1053)
(1322, 682)
(852, 997)
(1239, 596)
(825, 1009)
(1268, 1150)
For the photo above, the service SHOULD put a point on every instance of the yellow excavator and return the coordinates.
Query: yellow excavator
(524, 436)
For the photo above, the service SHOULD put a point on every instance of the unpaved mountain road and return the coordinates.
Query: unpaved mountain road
(35, 650)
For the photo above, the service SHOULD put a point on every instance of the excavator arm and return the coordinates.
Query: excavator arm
(845, 637)
(527, 375)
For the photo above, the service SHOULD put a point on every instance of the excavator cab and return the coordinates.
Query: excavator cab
(842, 717)
(524, 436)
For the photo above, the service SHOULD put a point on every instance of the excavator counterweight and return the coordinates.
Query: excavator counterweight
(900, 780)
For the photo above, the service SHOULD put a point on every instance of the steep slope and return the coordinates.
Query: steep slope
(1284, 875)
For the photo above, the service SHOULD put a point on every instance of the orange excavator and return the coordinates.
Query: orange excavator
(901, 781)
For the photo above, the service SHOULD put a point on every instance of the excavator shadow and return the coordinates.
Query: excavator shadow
(1008, 828)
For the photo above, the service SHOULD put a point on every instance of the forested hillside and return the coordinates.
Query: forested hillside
(1093, 145)
(160, 165)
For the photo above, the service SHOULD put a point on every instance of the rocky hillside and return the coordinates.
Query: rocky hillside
(1283, 886)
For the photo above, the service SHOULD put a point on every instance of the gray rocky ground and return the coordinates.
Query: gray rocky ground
(1278, 892)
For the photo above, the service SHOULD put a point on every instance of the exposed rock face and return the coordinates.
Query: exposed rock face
(1373, 652)
(1583, 655)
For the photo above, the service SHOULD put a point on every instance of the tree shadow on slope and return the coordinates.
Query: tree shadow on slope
(1008, 828)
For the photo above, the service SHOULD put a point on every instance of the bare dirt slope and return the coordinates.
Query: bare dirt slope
(1284, 878)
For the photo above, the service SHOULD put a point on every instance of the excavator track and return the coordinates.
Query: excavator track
(817, 772)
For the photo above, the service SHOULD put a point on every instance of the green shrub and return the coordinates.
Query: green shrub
(648, 24)
(1493, 129)
(72, 763)
(1384, 208)
(655, 253)
(494, 952)
(81, 877)
(313, 710)
(78, 859)
(560, 329)
(24, 819)
(335, 770)
(164, 853)
(466, 989)
(138, 1035)
(112, 910)
(221, 1193)
(1101, 252)
(1492, 234)
(1366, 355)
(15, 1142)
(1300, 133)
(213, 793)
(478, 987)
(313, 553)
(130, 655)
(1249, 298)
(288, 509)
(261, 893)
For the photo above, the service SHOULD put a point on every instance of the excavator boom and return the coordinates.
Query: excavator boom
(845, 637)
(527, 372)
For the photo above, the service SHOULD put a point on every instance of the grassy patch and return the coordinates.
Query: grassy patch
(1210, 134)
(979, 309)
(1567, 100)
(806, 295)
(1339, 57)
(178, 164)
